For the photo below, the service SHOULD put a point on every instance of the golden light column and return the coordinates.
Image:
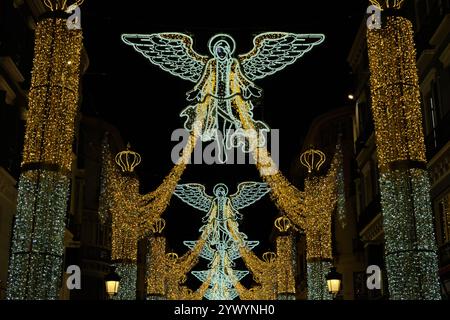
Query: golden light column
(124, 226)
(410, 248)
(38, 235)
(320, 203)
(285, 261)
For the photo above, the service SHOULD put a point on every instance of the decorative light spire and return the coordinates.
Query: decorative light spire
(128, 159)
(387, 4)
(312, 159)
(269, 257)
(61, 5)
(158, 226)
(282, 224)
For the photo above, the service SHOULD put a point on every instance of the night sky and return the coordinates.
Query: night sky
(144, 102)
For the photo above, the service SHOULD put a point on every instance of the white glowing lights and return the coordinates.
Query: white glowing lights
(410, 249)
(38, 235)
(223, 238)
(317, 284)
(127, 286)
(220, 80)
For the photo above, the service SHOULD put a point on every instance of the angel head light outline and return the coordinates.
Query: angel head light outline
(221, 46)
(223, 83)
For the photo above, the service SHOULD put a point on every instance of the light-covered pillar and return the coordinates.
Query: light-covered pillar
(410, 247)
(38, 236)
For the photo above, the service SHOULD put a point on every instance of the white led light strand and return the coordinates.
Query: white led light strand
(223, 239)
(37, 249)
(222, 78)
(127, 286)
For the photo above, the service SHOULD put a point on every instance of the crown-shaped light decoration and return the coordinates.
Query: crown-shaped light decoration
(387, 4)
(128, 160)
(63, 5)
(158, 226)
(282, 224)
(269, 257)
(172, 256)
(312, 159)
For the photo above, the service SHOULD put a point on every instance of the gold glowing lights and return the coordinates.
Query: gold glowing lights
(58, 5)
(38, 236)
(395, 93)
(312, 159)
(320, 201)
(387, 4)
(158, 226)
(269, 257)
(53, 97)
(128, 160)
(410, 248)
(282, 224)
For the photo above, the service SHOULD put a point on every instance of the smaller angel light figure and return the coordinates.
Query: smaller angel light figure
(223, 239)
(222, 82)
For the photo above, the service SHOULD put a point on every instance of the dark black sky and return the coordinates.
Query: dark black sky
(144, 102)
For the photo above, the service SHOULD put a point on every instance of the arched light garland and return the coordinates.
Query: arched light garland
(166, 273)
(274, 274)
(410, 248)
(209, 81)
(38, 234)
(286, 197)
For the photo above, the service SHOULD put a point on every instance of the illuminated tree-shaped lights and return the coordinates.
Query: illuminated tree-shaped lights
(38, 236)
(410, 249)
(320, 202)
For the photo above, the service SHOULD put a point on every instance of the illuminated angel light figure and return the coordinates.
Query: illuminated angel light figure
(223, 239)
(223, 82)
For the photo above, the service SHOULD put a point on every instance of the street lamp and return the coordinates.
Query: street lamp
(334, 280)
(112, 280)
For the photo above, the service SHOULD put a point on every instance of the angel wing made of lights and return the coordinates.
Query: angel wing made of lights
(170, 51)
(273, 51)
(248, 193)
(194, 195)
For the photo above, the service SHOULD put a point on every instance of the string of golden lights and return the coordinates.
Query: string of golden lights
(410, 248)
